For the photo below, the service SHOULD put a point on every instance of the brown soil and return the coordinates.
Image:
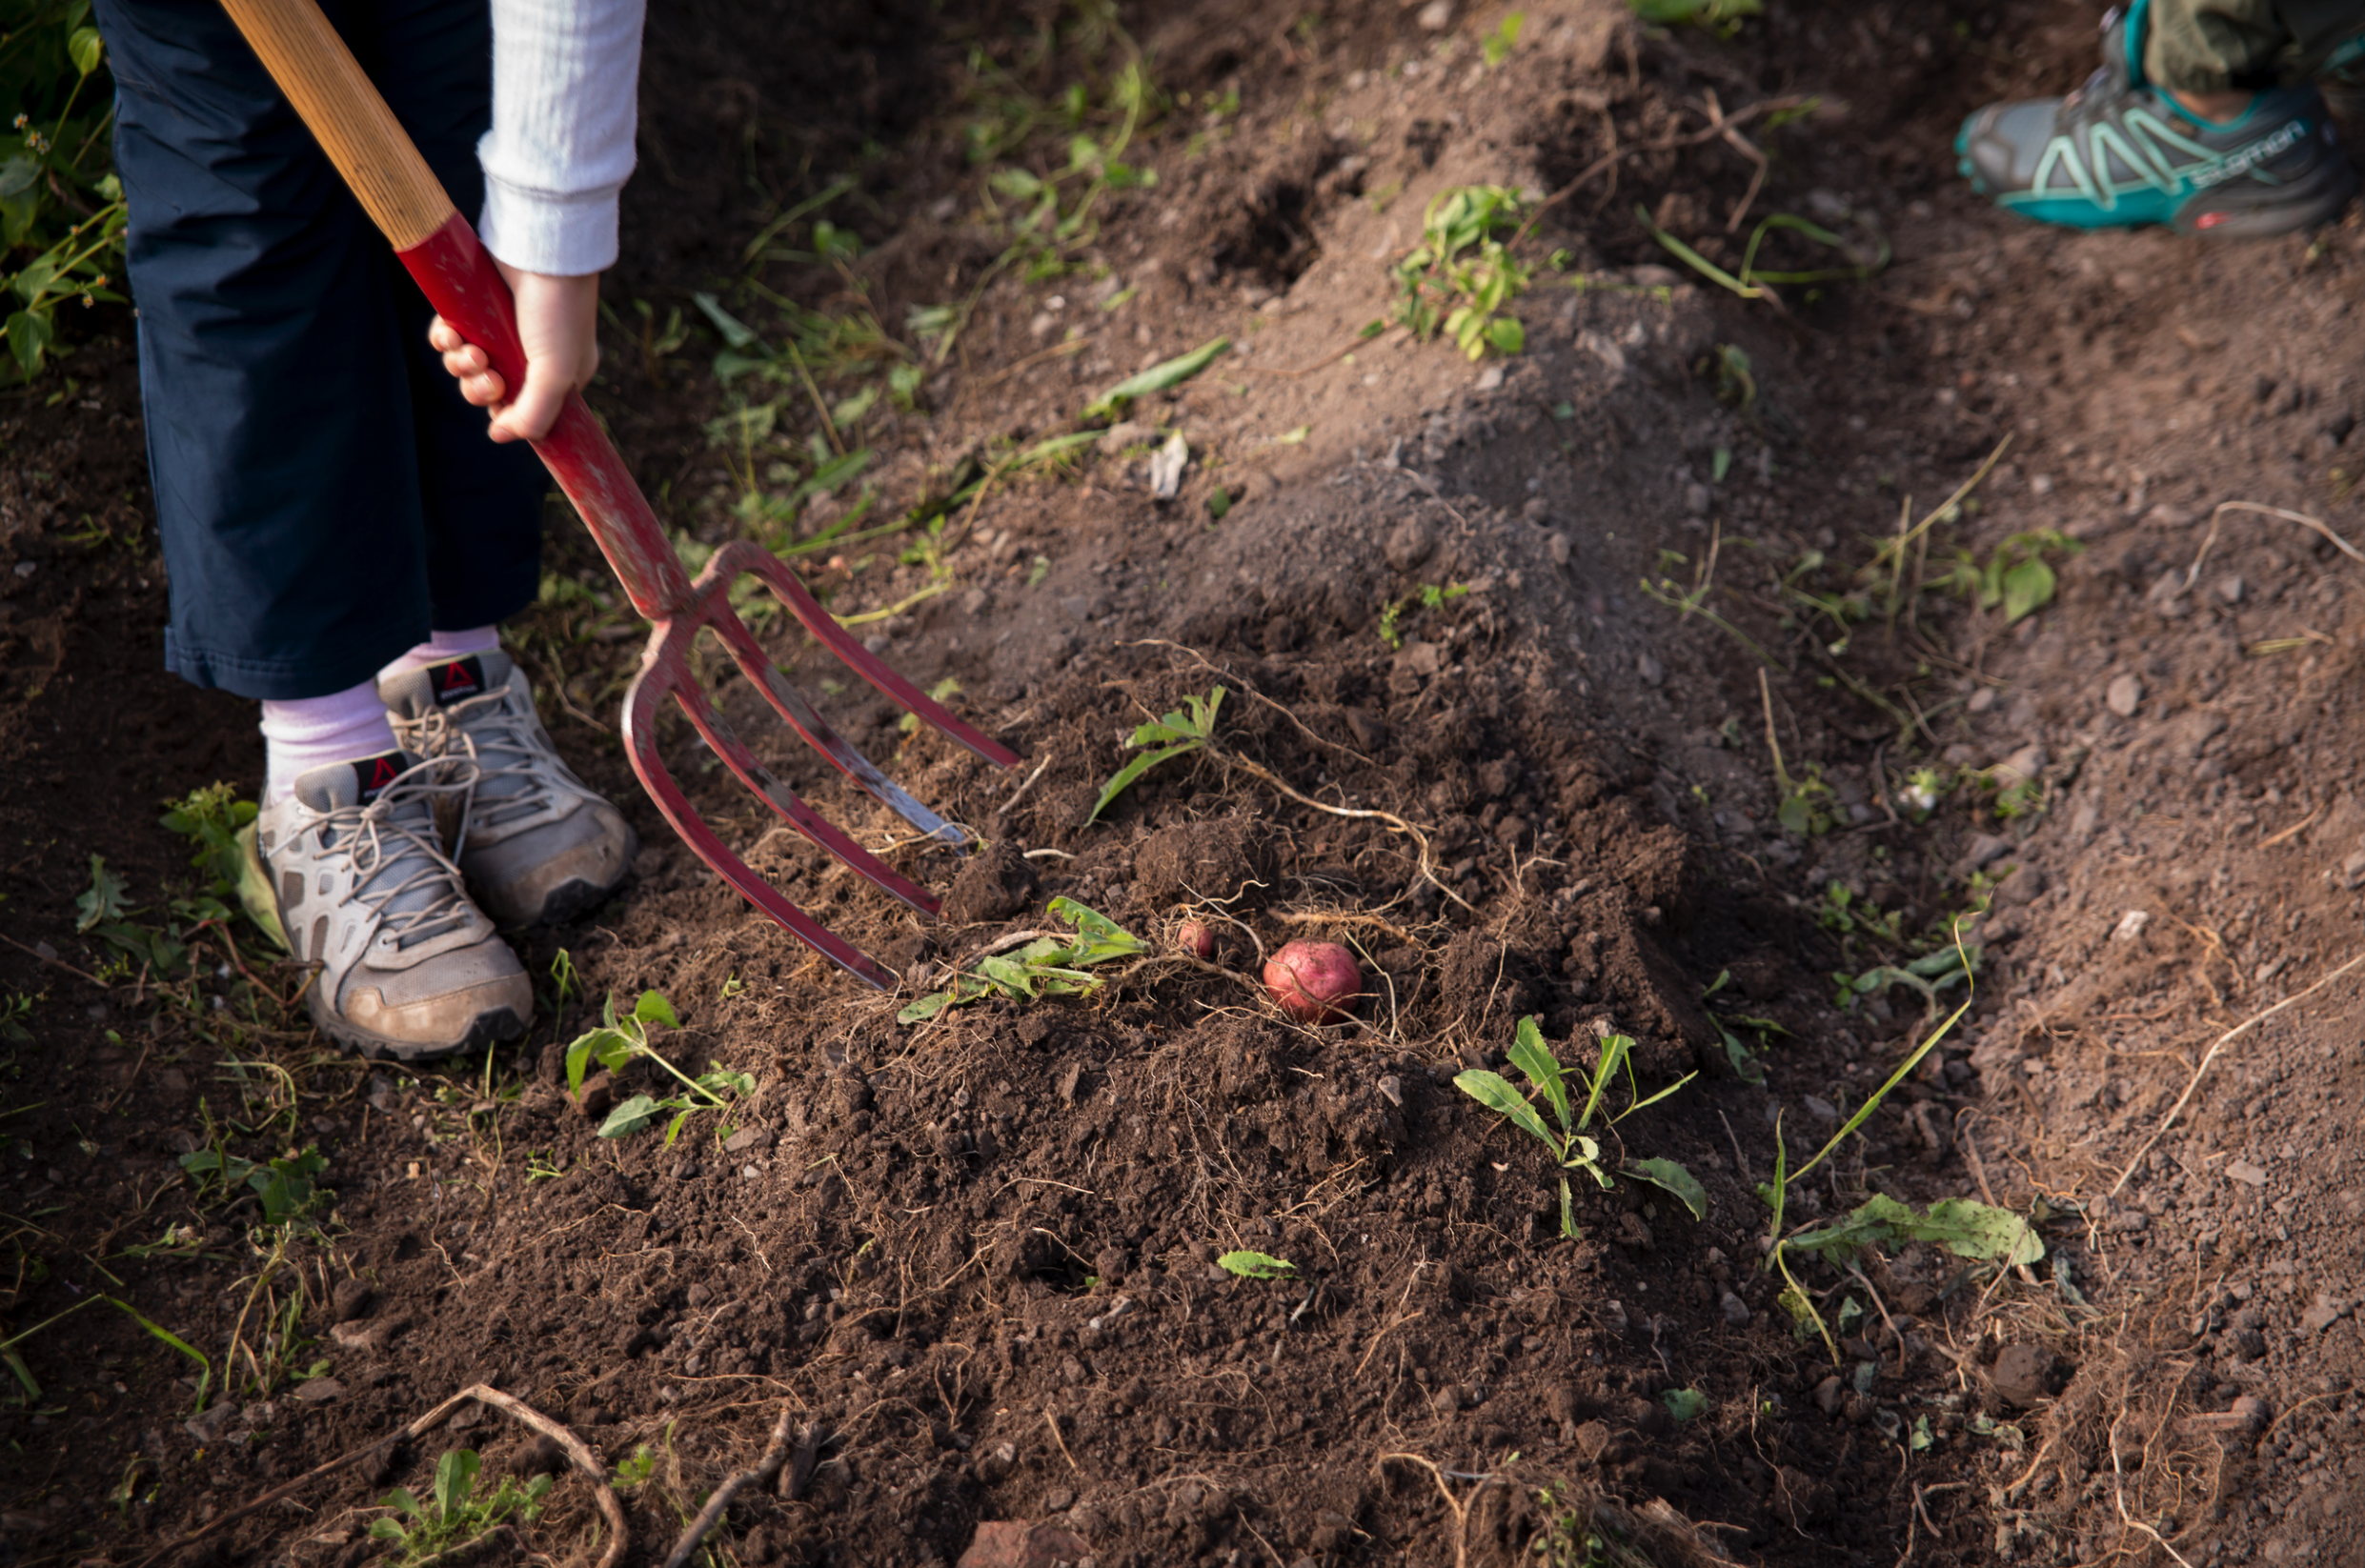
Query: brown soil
(974, 1258)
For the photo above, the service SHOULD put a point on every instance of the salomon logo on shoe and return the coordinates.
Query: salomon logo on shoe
(458, 680)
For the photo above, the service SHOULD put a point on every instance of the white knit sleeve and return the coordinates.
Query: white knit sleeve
(566, 76)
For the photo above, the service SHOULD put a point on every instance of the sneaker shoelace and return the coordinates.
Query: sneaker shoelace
(501, 743)
(380, 838)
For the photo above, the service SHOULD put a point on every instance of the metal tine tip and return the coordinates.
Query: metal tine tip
(717, 732)
(640, 704)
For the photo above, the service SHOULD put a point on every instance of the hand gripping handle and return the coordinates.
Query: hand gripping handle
(344, 111)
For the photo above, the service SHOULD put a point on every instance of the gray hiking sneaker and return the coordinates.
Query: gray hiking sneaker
(538, 845)
(409, 968)
(2119, 153)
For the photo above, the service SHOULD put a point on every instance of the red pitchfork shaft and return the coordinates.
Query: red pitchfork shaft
(375, 157)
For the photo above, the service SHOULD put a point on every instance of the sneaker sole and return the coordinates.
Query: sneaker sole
(499, 1024)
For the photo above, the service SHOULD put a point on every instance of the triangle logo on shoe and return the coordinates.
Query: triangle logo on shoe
(458, 680)
(373, 774)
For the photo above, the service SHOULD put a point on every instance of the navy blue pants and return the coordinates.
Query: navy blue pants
(324, 494)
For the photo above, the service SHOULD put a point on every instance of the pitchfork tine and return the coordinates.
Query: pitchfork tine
(720, 735)
(742, 555)
(792, 705)
(640, 704)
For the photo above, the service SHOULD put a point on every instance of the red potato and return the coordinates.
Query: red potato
(1314, 982)
(1196, 938)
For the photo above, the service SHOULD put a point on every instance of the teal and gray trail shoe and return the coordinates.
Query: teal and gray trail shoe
(2118, 153)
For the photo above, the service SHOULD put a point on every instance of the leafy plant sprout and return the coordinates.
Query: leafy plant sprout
(1187, 729)
(620, 1041)
(1567, 1136)
(1048, 966)
(455, 1516)
(1460, 277)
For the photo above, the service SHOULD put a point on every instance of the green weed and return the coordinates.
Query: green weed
(1158, 379)
(1846, 912)
(1737, 1051)
(1504, 38)
(2017, 576)
(618, 1042)
(1724, 16)
(1188, 729)
(1048, 966)
(1565, 1136)
(61, 207)
(1866, 257)
(1428, 597)
(456, 1515)
(1252, 1265)
(1460, 277)
(285, 1185)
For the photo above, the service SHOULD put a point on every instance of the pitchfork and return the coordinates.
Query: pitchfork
(378, 160)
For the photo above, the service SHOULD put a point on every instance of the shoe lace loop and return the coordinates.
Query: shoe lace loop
(498, 741)
(380, 838)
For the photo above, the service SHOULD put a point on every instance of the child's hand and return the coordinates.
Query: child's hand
(557, 320)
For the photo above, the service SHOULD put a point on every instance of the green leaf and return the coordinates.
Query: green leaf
(630, 1117)
(1256, 1265)
(105, 899)
(85, 49)
(387, 1529)
(926, 1008)
(673, 1128)
(1532, 1057)
(1614, 1050)
(1506, 336)
(1157, 378)
(1493, 1092)
(17, 174)
(2026, 587)
(1099, 928)
(1568, 1213)
(455, 1477)
(1665, 1174)
(1963, 1226)
(1685, 1404)
(579, 1056)
(735, 334)
(1125, 776)
(654, 1008)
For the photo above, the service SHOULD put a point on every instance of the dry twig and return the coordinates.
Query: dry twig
(774, 1454)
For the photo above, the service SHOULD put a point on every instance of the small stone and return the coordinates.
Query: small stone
(1821, 1110)
(1392, 1088)
(1986, 849)
(2253, 1410)
(1735, 1310)
(1409, 544)
(1828, 1393)
(1017, 1543)
(319, 1391)
(1058, 1500)
(1491, 378)
(1436, 16)
(1558, 547)
(352, 1298)
(2130, 925)
(2026, 1374)
(1651, 671)
(2125, 695)
(1982, 699)
(210, 1426)
(747, 1138)
(597, 1097)
(2230, 588)
(1696, 499)
(2247, 1174)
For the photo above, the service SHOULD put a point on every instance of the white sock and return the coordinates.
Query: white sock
(442, 647)
(312, 732)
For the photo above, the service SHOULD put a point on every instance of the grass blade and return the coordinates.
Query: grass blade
(1157, 378)
(1125, 775)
